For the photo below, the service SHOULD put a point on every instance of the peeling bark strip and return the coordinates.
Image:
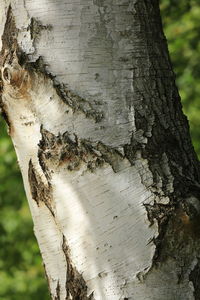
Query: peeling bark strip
(40, 191)
(75, 284)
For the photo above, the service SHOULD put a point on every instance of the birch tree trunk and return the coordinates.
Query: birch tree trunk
(110, 174)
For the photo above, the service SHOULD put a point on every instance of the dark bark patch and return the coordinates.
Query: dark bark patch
(5, 116)
(161, 213)
(57, 291)
(10, 48)
(111, 156)
(48, 281)
(162, 138)
(70, 152)
(8, 43)
(179, 231)
(75, 285)
(78, 103)
(195, 278)
(181, 237)
(90, 108)
(187, 220)
(40, 192)
(67, 151)
(9, 37)
(36, 27)
(10, 51)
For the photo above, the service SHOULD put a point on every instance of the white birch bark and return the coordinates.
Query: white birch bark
(69, 125)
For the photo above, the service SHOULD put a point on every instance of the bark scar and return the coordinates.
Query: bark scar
(40, 192)
(75, 285)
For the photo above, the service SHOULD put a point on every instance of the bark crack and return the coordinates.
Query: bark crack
(75, 285)
(39, 190)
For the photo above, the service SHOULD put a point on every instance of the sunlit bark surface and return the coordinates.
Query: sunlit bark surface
(111, 177)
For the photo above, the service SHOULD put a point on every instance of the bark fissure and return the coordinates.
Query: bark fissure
(40, 191)
(75, 285)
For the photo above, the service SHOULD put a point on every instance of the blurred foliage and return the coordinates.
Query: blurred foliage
(21, 271)
(182, 29)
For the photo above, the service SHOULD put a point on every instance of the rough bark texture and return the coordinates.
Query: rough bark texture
(108, 166)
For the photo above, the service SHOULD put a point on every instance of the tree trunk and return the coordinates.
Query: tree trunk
(109, 171)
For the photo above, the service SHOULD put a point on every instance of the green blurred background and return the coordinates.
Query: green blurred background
(21, 270)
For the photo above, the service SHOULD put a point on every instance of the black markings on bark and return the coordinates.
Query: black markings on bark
(9, 37)
(48, 281)
(75, 285)
(78, 103)
(160, 213)
(65, 150)
(195, 278)
(70, 98)
(11, 47)
(40, 192)
(111, 156)
(8, 43)
(57, 291)
(36, 28)
(161, 126)
(162, 138)
(71, 152)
